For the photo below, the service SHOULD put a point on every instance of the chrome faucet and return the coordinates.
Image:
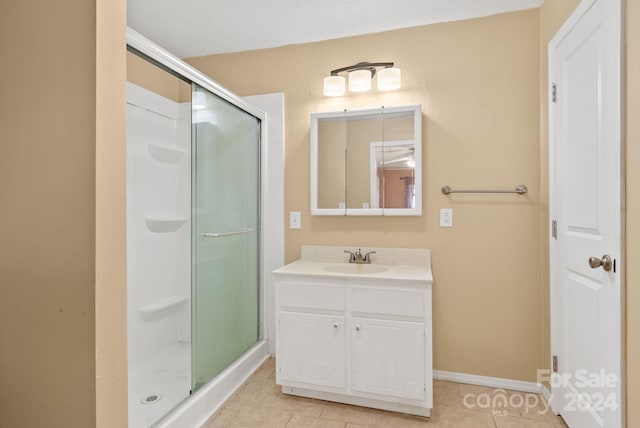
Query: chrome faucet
(358, 258)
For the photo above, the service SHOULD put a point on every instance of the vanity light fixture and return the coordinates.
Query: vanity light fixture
(389, 79)
(360, 80)
(360, 76)
(333, 86)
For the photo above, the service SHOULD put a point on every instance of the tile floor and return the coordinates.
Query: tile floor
(259, 403)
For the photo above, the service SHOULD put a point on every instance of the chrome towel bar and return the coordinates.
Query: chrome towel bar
(223, 234)
(520, 189)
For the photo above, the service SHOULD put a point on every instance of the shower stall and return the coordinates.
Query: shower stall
(194, 225)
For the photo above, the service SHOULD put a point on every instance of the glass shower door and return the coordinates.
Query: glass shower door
(225, 227)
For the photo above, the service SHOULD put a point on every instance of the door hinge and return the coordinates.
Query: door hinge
(554, 229)
(554, 364)
(554, 92)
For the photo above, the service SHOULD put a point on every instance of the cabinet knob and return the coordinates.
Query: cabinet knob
(336, 325)
(357, 327)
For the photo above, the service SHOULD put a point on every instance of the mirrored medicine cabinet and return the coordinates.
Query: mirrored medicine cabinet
(367, 162)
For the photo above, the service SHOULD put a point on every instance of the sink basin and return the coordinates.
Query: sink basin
(354, 268)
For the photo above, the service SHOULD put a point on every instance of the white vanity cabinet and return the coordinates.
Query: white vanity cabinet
(312, 349)
(355, 339)
(387, 358)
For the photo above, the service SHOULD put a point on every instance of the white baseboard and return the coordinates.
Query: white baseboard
(493, 382)
(547, 396)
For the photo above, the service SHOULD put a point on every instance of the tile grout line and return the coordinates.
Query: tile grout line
(288, 420)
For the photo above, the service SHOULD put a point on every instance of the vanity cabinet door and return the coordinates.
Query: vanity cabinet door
(388, 357)
(311, 349)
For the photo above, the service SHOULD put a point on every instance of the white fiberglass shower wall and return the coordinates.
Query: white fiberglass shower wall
(158, 246)
(199, 271)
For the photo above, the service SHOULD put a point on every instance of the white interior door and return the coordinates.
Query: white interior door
(585, 200)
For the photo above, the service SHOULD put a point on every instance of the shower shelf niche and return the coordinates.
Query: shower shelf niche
(164, 225)
(166, 154)
(161, 305)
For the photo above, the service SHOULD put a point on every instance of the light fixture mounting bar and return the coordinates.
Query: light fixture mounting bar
(371, 66)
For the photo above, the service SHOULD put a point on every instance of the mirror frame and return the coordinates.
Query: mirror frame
(417, 139)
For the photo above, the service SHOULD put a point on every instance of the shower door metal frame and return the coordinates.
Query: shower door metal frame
(159, 56)
(176, 66)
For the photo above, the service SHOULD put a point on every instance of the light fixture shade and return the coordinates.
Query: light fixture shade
(333, 86)
(198, 101)
(389, 79)
(359, 80)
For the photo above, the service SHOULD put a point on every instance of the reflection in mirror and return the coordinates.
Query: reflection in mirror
(367, 162)
(361, 130)
(392, 174)
(332, 156)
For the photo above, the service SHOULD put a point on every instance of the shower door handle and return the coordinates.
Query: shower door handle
(223, 234)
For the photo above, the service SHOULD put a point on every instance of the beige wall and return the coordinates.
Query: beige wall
(478, 82)
(151, 77)
(50, 152)
(110, 223)
(633, 212)
(47, 191)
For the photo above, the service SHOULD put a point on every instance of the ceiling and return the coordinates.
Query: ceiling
(189, 28)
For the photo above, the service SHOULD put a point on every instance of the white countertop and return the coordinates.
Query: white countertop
(401, 263)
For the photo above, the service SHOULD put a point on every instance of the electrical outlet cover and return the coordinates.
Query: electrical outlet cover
(294, 220)
(446, 217)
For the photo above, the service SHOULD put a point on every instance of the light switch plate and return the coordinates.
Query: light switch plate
(446, 217)
(294, 220)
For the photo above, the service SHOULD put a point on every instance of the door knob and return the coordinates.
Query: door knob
(605, 262)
